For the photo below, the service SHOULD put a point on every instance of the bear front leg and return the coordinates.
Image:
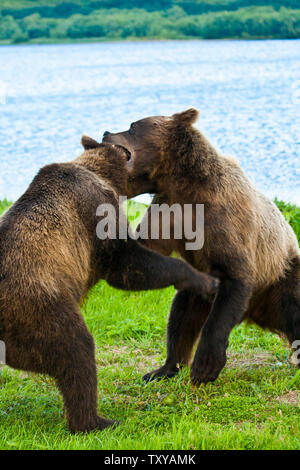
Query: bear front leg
(136, 268)
(228, 310)
(164, 247)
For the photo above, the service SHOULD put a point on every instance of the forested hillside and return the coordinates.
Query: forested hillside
(53, 20)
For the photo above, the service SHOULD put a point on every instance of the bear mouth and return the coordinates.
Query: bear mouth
(126, 151)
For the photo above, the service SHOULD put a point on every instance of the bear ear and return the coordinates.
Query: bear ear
(88, 143)
(187, 117)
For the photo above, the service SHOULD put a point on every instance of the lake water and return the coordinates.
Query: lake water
(248, 93)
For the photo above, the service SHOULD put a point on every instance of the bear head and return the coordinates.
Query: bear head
(152, 143)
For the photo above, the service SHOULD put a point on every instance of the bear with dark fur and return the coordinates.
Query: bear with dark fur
(247, 242)
(50, 256)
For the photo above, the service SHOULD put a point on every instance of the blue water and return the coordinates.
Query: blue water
(248, 93)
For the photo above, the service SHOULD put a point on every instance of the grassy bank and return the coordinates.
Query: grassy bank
(253, 405)
(28, 21)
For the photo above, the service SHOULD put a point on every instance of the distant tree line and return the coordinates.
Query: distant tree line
(162, 19)
(19, 9)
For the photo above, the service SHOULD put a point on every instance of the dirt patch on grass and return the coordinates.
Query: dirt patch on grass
(290, 398)
(129, 356)
(145, 360)
(246, 360)
(242, 424)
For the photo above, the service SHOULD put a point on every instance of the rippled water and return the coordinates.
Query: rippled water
(248, 94)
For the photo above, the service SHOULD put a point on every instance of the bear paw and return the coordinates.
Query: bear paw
(161, 373)
(207, 367)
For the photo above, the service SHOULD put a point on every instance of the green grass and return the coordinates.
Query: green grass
(291, 214)
(253, 404)
(4, 204)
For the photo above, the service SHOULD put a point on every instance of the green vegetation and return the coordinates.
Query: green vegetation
(291, 214)
(253, 405)
(4, 205)
(58, 20)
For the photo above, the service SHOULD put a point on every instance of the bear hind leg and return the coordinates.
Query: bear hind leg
(187, 316)
(289, 305)
(66, 353)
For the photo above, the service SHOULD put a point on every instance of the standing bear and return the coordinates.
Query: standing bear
(50, 256)
(247, 242)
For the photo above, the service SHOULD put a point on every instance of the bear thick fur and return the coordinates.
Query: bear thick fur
(50, 256)
(247, 242)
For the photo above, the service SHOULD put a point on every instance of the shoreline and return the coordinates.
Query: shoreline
(57, 41)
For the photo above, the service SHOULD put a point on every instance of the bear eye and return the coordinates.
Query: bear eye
(131, 129)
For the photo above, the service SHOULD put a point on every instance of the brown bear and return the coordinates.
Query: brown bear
(50, 256)
(247, 242)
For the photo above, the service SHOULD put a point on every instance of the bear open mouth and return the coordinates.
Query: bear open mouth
(125, 150)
